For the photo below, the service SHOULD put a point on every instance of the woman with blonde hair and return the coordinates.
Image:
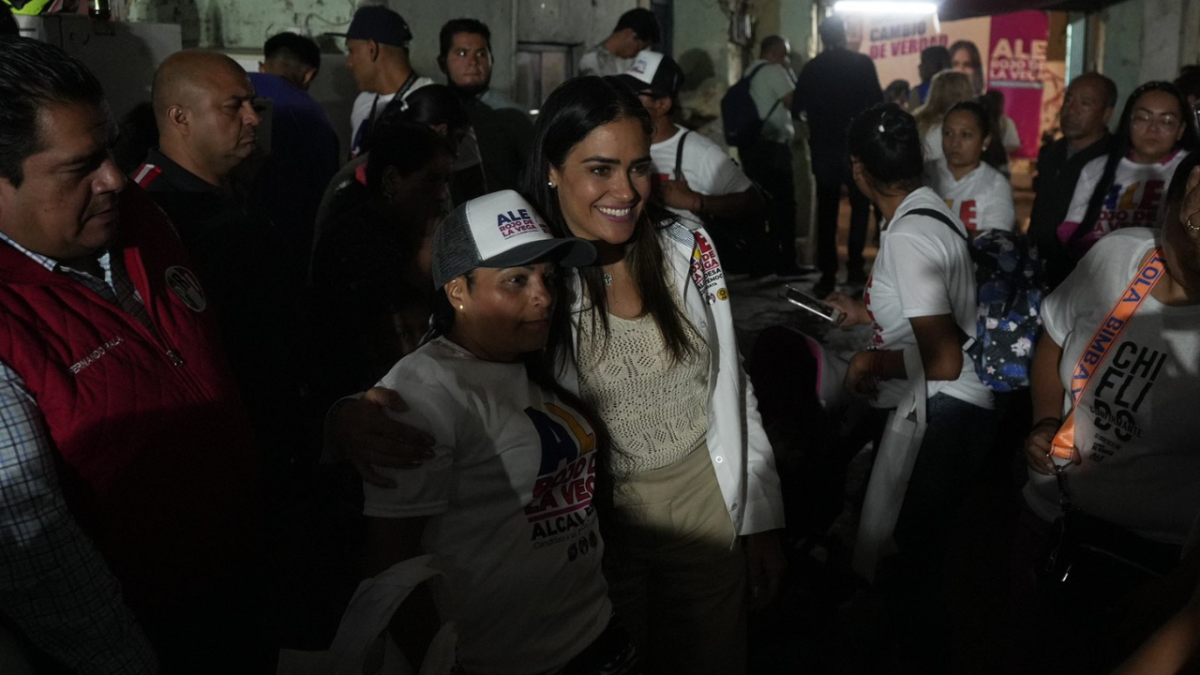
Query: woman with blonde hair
(948, 88)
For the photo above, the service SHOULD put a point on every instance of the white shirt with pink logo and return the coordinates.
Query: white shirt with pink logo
(1136, 198)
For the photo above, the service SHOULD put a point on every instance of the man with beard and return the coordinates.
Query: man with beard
(502, 130)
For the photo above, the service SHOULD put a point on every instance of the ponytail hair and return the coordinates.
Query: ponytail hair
(885, 141)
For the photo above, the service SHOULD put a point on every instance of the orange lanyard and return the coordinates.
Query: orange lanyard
(1106, 336)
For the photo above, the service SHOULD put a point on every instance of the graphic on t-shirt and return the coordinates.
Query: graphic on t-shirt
(562, 495)
(966, 212)
(1122, 208)
(1118, 393)
(1133, 205)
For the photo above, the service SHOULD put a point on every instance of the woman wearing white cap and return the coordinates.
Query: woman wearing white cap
(505, 501)
(652, 348)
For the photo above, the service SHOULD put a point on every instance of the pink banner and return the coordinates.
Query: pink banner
(1016, 57)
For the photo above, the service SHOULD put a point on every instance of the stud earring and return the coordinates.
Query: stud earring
(551, 184)
(460, 308)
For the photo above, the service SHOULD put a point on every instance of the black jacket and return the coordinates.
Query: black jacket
(1055, 186)
(833, 89)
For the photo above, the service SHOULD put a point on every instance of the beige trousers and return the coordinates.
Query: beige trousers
(675, 581)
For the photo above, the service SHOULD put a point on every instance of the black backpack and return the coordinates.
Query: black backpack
(739, 114)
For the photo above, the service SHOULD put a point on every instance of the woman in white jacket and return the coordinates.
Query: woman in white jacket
(652, 349)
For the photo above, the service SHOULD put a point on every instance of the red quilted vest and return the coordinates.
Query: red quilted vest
(155, 453)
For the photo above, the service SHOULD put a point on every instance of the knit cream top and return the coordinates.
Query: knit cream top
(656, 410)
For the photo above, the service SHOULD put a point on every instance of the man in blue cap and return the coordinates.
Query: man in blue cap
(377, 41)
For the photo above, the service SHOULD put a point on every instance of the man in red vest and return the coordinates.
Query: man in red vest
(128, 507)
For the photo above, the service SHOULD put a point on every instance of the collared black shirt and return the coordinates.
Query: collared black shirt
(1055, 186)
(242, 263)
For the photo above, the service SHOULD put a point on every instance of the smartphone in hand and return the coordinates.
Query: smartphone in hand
(813, 305)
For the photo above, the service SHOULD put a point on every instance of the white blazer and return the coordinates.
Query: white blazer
(741, 455)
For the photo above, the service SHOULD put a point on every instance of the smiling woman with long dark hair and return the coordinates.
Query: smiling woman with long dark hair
(652, 350)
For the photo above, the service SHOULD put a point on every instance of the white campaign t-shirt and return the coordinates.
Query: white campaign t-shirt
(707, 168)
(770, 84)
(1137, 425)
(509, 492)
(1136, 198)
(931, 144)
(982, 200)
(923, 269)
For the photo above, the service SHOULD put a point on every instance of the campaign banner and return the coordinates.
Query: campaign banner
(895, 42)
(1012, 48)
(1016, 63)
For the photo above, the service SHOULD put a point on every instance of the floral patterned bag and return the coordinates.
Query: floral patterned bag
(1009, 286)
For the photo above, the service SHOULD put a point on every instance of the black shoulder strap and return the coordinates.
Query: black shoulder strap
(938, 215)
(679, 155)
(964, 341)
(754, 72)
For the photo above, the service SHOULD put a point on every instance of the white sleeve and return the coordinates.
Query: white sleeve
(716, 173)
(764, 497)
(423, 490)
(999, 213)
(923, 271)
(588, 65)
(1088, 178)
(778, 81)
(1098, 279)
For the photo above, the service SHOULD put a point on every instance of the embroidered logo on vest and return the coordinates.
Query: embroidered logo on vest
(187, 288)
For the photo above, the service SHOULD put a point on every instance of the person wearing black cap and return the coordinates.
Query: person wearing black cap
(505, 501)
(636, 30)
(377, 46)
(833, 89)
(695, 177)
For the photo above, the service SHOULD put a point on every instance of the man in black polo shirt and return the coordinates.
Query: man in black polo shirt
(203, 104)
(1086, 109)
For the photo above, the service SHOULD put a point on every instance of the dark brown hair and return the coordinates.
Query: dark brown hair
(572, 112)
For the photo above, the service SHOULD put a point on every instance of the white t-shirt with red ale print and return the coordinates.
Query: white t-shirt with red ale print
(982, 199)
(923, 269)
(1136, 198)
